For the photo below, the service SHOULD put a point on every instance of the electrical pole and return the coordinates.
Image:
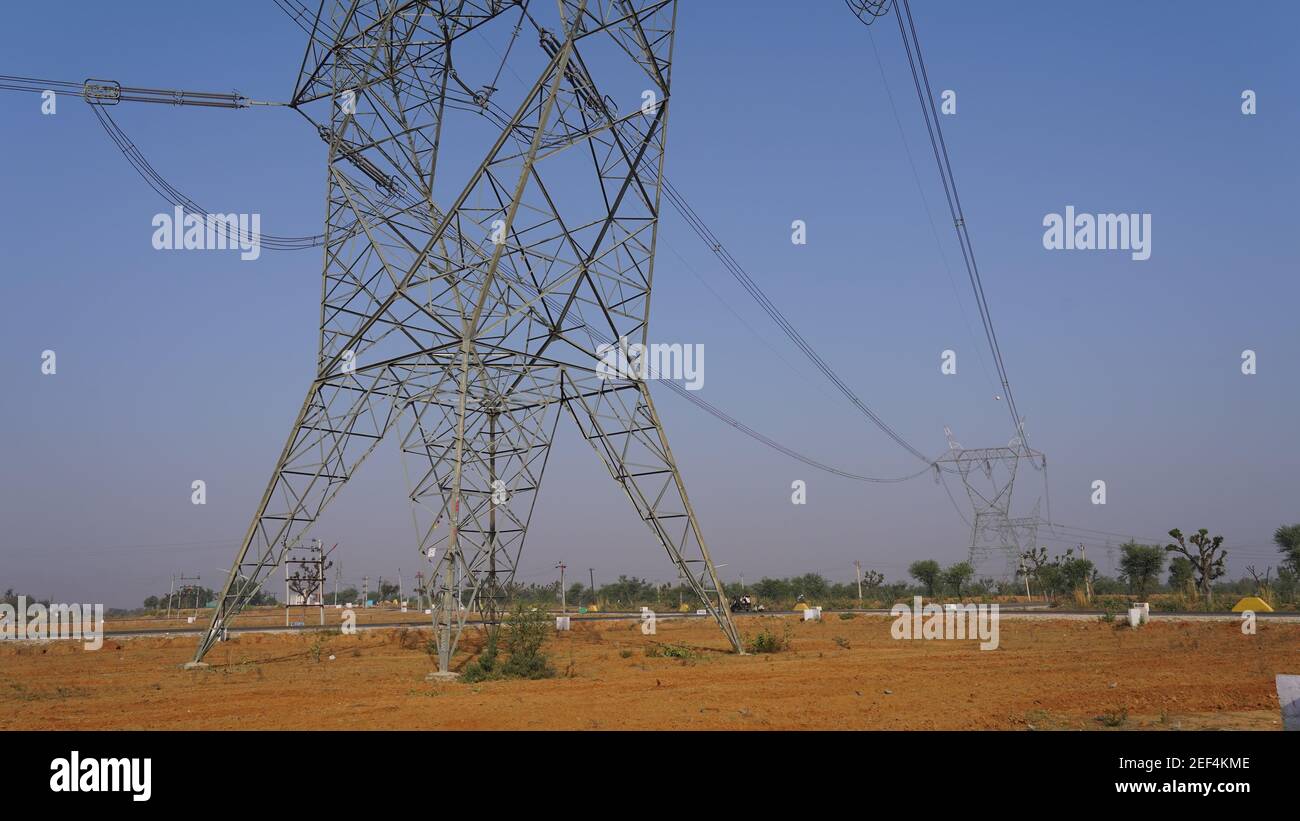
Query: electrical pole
(195, 587)
(592, 575)
(1087, 580)
(857, 566)
(365, 591)
(564, 607)
(170, 595)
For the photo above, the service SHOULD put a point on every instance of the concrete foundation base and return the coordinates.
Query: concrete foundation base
(441, 676)
(195, 665)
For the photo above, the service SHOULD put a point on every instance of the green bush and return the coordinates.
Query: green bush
(482, 668)
(525, 633)
(767, 641)
(672, 651)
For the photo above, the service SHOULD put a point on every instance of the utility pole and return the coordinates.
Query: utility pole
(1026, 575)
(195, 588)
(1087, 580)
(857, 566)
(171, 593)
(401, 599)
(592, 575)
(564, 607)
(365, 592)
(337, 576)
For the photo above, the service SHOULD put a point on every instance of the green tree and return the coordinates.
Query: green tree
(1287, 539)
(811, 585)
(1207, 556)
(1180, 574)
(772, 589)
(927, 572)
(577, 594)
(1287, 583)
(1032, 564)
(1106, 586)
(955, 577)
(1140, 566)
(1075, 572)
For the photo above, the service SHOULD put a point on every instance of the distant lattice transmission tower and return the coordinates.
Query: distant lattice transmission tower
(479, 245)
(994, 532)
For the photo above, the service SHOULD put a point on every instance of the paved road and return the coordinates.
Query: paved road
(1005, 611)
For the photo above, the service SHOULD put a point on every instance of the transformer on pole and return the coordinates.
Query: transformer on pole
(304, 578)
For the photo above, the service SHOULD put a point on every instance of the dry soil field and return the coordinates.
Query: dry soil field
(838, 674)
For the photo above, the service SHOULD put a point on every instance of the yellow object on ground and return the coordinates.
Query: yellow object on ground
(800, 606)
(1252, 603)
(591, 608)
(685, 608)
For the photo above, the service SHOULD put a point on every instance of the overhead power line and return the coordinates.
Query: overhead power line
(925, 95)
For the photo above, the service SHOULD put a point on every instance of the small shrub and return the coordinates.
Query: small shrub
(768, 641)
(525, 633)
(848, 616)
(1116, 719)
(482, 668)
(842, 642)
(672, 651)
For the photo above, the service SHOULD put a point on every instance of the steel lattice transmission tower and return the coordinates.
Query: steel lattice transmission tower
(994, 531)
(479, 246)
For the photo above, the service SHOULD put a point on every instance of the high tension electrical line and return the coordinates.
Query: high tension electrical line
(867, 11)
(449, 322)
(172, 195)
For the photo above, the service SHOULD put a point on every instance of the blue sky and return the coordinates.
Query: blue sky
(181, 366)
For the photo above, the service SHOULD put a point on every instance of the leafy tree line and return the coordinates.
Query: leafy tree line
(184, 598)
(11, 598)
(1193, 567)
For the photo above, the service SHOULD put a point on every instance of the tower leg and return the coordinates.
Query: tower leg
(619, 419)
(341, 421)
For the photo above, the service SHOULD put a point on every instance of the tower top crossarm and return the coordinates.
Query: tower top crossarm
(1015, 450)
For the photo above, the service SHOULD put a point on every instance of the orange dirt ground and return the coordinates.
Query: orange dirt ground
(1056, 674)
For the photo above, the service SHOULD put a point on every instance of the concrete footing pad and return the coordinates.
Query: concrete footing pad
(195, 665)
(441, 676)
